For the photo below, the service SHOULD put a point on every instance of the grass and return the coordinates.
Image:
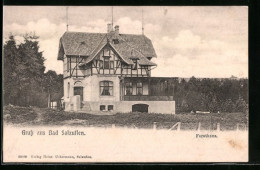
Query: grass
(17, 115)
(45, 116)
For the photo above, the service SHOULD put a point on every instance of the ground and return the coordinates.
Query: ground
(45, 116)
(122, 137)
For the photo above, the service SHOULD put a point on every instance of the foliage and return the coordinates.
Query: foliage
(223, 95)
(53, 84)
(228, 106)
(25, 83)
(241, 105)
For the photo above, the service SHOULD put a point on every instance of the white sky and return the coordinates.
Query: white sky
(189, 41)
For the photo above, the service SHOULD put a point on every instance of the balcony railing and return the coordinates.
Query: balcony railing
(147, 98)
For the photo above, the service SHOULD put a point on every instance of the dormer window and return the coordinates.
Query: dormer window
(115, 41)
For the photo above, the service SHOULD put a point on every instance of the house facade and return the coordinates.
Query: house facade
(111, 72)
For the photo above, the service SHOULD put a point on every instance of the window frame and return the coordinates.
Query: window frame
(110, 108)
(107, 87)
(68, 63)
(102, 106)
(68, 88)
(106, 64)
(129, 85)
(111, 64)
(141, 87)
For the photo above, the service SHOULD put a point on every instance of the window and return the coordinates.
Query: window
(139, 88)
(101, 64)
(102, 107)
(78, 91)
(135, 65)
(106, 88)
(129, 88)
(68, 90)
(68, 64)
(111, 64)
(106, 62)
(110, 108)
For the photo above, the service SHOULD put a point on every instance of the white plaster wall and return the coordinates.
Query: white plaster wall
(65, 86)
(92, 88)
(87, 89)
(68, 97)
(154, 106)
(164, 107)
(76, 102)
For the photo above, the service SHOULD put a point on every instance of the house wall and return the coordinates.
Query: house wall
(68, 92)
(97, 66)
(92, 88)
(167, 107)
(164, 107)
(68, 87)
(93, 99)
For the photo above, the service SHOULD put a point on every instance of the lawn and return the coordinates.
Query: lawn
(45, 116)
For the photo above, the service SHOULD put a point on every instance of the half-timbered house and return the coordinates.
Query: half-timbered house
(111, 72)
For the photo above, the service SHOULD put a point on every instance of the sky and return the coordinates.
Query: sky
(189, 41)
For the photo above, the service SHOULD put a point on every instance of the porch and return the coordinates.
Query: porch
(147, 88)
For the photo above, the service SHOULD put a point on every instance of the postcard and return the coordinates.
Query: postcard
(125, 84)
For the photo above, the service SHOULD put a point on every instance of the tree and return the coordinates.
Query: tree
(10, 61)
(53, 85)
(240, 105)
(211, 94)
(25, 82)
(30, 70)
(23, 71)
(213, 105)
(228, 106)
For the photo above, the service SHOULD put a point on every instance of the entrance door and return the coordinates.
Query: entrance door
(140, 108)
(79, 91)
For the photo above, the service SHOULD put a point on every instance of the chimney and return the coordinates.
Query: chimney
(109, 28)
(117, 30)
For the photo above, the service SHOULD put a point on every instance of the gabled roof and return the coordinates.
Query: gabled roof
(77, 43)
(141, 43)
(105, 42)
(90, 44)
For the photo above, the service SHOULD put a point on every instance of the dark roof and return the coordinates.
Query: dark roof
(77, 43)
(90, 44)
(140, 43)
